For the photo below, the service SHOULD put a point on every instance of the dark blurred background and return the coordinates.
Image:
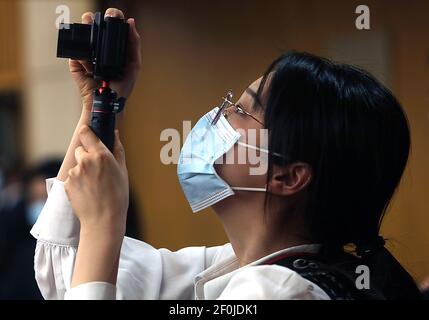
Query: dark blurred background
(193, 51)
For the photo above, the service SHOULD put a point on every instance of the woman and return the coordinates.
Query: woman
(338, 143)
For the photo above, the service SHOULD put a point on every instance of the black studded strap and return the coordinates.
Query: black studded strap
(336, 283)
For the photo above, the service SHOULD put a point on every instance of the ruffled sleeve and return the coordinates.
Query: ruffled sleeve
(144, 272)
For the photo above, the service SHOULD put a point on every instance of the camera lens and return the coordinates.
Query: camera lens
(74, 41)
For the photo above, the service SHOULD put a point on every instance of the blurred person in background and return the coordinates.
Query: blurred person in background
(338, 145)
(23, 202)
(10, 195)
(20, 211)
(10, 185)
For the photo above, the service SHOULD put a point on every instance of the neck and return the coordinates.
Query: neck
(254, 233)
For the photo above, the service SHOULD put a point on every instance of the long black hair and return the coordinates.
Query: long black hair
(355, 136)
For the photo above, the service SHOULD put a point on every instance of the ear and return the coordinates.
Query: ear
(291, 179)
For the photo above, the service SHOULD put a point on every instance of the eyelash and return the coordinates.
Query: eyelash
(240, 109)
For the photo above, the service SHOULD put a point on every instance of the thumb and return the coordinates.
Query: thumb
(134, 42)
(118, 150)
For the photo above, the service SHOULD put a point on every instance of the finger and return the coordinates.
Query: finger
(89, 140)
(76, 66)
(80, 66)
(134, 42)
(134, 35)
(113, 12)
(87, 66)
(80, 154)
(88, 17)
(118, 150)
(67, 187)
(70, 174)
(73, 173)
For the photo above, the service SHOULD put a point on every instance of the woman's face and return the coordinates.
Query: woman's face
(243, 166)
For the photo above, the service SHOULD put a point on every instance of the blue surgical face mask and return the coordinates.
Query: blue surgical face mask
(34, 210)
(205, 144)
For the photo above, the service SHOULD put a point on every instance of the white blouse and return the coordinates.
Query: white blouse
(149, 273)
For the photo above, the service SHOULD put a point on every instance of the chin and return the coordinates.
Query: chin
(217, 207)
(225, 205)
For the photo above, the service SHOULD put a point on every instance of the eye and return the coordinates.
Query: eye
(239, 109)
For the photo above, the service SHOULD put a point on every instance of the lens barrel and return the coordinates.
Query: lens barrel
(74, 41)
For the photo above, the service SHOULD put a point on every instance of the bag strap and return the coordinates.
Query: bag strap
(336, 283)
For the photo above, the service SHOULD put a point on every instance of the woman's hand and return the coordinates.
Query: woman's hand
(97, 186)
(81, 71)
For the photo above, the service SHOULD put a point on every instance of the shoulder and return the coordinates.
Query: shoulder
(271, 282)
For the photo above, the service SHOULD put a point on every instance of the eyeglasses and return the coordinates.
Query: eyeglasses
(227, 107)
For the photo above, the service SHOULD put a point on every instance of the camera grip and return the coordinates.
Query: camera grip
(103, 115)
(103, 125)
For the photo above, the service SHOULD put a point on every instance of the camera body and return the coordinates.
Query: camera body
(103, 43)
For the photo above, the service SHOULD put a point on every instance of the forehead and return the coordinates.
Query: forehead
(255, 84)
(247, 97)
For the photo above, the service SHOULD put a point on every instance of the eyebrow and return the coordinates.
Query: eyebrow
(254, 95)
(251, 92)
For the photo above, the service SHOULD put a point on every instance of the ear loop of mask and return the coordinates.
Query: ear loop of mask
(249, 189)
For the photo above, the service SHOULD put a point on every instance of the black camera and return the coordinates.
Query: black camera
(103, 43)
